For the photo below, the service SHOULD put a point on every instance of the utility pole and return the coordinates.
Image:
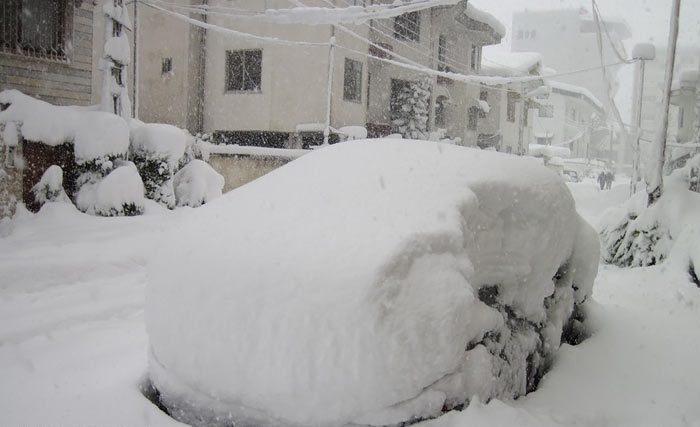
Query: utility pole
(642, 52)
(655, 188)
(329, 93)
(135, 89)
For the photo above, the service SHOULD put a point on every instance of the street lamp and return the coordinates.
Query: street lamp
(641, 53)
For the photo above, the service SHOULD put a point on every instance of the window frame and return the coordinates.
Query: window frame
(229, 74)
(407, 27)
(473, 118)
(475, 57)
(352, 80)
(50, 42)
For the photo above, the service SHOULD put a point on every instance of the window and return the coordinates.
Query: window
(398, 87)
(510, 110)
(167, 65)
(546, 111)
(476, 57)
(473, 118)
(244, 70)
(442, 53)
(440, 104)
(356, 3)
(407, 26)
(533, 34)
(36, 28)
(681, 113)
(352, 81)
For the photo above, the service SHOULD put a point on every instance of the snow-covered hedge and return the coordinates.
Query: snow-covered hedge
(197, 183)
(50, 187)
(156, 149)
(370, 282)
(101, 142)
(120, 193)
(634, 235)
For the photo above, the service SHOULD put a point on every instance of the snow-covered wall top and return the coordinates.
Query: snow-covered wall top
(232, 150)
(511, 64)
(95, 134)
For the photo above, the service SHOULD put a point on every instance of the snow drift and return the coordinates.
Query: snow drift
(287, 302)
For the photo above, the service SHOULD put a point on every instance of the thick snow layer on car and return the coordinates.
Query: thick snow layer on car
(373, 282)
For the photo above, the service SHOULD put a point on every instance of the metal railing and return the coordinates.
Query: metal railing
(34, 28)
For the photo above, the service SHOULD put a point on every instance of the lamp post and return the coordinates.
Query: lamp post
(641, 52)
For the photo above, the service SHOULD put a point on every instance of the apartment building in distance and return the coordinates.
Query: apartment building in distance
(253, 81)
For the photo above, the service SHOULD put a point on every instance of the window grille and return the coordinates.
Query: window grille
(34, 27)
(244, 70)
(167, 65)
(407, 26)
(352, 82)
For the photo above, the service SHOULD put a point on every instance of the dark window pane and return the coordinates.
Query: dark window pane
(352, 82)
(244, 70)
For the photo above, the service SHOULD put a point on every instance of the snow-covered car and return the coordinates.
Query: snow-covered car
(371, 282)
(571, 175)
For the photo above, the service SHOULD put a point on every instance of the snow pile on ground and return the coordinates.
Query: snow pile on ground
(636, 235)
(373, 282)
(196, 184)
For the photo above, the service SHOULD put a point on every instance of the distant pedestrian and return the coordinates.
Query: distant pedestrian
(601, 180)
(609, 178)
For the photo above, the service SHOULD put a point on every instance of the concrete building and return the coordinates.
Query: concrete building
(567, 40)
(255, 82)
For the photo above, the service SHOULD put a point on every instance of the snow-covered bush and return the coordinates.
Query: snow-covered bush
(319, 296)
(197, 183)
(156, 150)
(50, 187)
(120, 193)
(411, 118)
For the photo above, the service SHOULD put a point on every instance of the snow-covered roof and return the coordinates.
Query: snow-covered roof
(511, 64)
(539, 150)
(479, 15)
(577, 91)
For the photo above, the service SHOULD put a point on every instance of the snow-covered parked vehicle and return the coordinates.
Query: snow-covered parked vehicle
(372, 282)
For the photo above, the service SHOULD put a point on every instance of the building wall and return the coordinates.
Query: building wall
(164, 97)
(568, 42)
(10, 181)
(60, 82)
(239, 169)
(294, 78)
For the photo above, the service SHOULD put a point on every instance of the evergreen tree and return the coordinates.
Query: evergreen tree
(410, 119)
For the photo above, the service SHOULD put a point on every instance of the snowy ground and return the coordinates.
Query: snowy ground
(73, 344)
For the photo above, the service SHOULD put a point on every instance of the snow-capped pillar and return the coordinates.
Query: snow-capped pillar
(329, 92)
(115, 58)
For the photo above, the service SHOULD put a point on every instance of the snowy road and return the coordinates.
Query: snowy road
(73, 345)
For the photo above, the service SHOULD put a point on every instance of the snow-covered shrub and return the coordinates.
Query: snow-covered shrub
(101, 140)
(120, 193)
(318, 296)
(411, 118)
(156, 150)
(50, 187)
(197, 183)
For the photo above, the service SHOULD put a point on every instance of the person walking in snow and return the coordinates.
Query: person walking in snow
(609, 178)
(601, 180)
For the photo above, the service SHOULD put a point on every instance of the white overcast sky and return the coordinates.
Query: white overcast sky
(648, 19)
